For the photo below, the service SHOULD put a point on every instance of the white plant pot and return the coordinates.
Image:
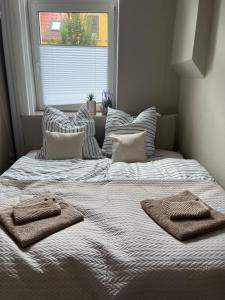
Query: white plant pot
(91, 106)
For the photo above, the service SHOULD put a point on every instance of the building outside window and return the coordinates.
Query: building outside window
(50, 21)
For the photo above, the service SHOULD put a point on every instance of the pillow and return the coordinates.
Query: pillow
(64, 145)
(91, 149)
(119, 122)
(128, 147)
(55, 120)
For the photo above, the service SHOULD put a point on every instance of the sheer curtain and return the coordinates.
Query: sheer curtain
(17, 52)
(6, 136)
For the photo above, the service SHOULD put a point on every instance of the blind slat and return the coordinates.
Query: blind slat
(69, 74)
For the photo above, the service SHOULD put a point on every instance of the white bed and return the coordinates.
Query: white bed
(118, 252)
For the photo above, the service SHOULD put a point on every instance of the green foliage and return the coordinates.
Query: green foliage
(91, 97)
(106, 103)
(107, 99)
(51, 42)
(76, 30)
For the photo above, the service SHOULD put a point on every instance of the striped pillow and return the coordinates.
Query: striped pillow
(55, 120)
(119, 122)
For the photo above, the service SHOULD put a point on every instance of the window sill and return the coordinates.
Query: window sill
(39, 113)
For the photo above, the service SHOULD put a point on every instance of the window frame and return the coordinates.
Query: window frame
(92, 6)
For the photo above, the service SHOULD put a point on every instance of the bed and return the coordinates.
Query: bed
(117, 252)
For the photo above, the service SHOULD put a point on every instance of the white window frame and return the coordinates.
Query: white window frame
(95, 6)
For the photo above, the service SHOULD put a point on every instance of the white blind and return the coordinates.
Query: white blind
(70, 73)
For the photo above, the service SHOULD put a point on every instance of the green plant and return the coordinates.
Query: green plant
(91, 97)
(106, 103)
(75, 30)
(106, 99)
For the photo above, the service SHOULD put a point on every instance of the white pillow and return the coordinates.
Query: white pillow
(64, 145)
(55, 120)
(119, 122)
(128, 147)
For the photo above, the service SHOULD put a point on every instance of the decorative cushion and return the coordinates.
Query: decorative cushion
(128, 147)
(119, 122)
(64, 145)
(55, 120)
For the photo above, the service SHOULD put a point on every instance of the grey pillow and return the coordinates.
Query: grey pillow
(54, 120)
(119, 122)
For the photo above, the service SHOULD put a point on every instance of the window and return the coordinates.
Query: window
(55, 25)
(73, 51)
(94, 26)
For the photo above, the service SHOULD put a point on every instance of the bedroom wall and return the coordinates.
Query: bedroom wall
(145, 76)
(202, 105)
(191, 37)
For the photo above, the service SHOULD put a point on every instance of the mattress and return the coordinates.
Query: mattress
(118, 252)
(163, 165)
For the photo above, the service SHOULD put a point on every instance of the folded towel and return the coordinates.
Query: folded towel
(186, 228)
(29, 233)
(46, 208)
(185, 205)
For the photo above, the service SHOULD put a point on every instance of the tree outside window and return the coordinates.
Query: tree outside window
(73, 28)
(76, 30)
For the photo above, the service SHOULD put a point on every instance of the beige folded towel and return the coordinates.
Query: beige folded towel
(183, 229)
(29, 233)
(46, 208)
(185, 205)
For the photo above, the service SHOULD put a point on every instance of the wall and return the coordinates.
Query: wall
(145, 76)
(6, 144)
(191, 37)
(165, 134)
(184, 32)
(202, 105)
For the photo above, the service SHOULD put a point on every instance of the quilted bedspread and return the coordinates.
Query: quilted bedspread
(27, 168)
(118, 252)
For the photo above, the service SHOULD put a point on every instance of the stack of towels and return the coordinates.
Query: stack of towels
(184, 215)
(42, 216)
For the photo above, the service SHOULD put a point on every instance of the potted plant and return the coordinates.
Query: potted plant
(106, 102)
(91, 104)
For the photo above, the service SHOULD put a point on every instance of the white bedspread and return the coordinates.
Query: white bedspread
(164, 165)
(118, 252)
(27, 168)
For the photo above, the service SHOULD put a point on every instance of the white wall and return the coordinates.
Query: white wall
(185, 28)
(145, 76)
(202, 105)
(191, 37)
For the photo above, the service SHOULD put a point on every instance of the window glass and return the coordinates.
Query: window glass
(94, 26)
(73, 56)
(55, 25)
